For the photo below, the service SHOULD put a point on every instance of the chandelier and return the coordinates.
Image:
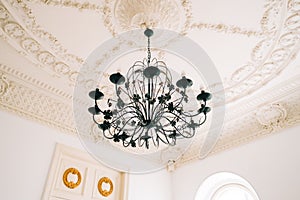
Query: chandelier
(148, 107)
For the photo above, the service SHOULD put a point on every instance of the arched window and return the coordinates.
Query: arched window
(225, 186)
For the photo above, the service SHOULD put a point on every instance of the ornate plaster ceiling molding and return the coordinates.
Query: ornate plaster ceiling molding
(279, 44)
(279, 108)
(31, 102)
(272, 115)
(22, 11)
(228, 29)
(4, 84)
(28, 80)
(272, 54)
(291, 86)
(13, 33)
(72, 4)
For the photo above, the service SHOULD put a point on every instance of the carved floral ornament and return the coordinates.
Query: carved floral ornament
(272, 115)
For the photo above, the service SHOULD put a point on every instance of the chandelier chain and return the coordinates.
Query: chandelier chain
(148, 51)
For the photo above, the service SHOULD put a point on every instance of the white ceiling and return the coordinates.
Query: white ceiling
(254, 45)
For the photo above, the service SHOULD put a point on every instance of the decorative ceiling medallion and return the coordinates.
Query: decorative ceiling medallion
(271, 115)
(141, 14)
(71, 184)
(104, 192)
(127, 15)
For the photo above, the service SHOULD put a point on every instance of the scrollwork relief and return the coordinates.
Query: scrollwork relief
(4, 84)
(18, 37)
(272, 54)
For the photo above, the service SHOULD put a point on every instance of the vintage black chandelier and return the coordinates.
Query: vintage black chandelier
(148, 106)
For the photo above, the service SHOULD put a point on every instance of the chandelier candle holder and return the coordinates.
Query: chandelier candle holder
(148, 107)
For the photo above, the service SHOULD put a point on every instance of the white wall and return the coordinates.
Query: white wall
(26, 150)
(154, 186)
(271, 165)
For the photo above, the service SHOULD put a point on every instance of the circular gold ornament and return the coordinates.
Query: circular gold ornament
(105, 193)
(71, 184)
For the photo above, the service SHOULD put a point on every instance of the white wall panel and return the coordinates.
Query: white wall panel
(271, 165)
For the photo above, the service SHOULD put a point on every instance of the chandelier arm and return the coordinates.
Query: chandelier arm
(142, 91)
(189, 114)
(125, 123)
(134, 107)
(158, 91)
(96, 103)
(188, 133)
(179, 103)
(154, 88)
(166, 82)
(166, 137)
(144, 108)
(138, 134)
(205, 117)
(163, 117)
(154, 140)
(181, 99)
(126, 143)
(167, 72)
(159, 105)
(172, 92)
(120, 116)
(95, 119)
(176, 116)
(107, 137)
(124, 91)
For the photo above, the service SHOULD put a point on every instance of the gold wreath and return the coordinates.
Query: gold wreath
(105, 193)
(71, 184)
